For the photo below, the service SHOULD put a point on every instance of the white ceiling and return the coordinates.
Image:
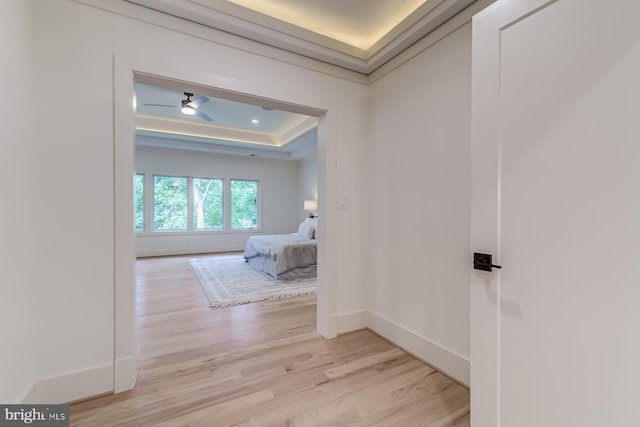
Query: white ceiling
(233, 130)
(358, 35)
(358, 23)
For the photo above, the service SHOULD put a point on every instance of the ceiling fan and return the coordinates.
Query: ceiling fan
(189, 107)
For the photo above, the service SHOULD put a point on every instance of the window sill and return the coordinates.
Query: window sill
(165, 233)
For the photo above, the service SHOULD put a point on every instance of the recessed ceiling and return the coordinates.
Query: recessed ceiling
(359, 35)
(252, 128)
(359, 23)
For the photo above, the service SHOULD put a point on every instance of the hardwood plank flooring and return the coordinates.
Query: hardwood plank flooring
(263, 364)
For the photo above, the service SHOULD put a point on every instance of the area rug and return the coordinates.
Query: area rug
(228, 280)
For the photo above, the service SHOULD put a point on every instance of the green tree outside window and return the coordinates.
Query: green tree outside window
(244, 204)
(169, 203)
(208, 196)
(139, 202)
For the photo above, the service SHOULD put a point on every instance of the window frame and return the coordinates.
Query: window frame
(150, 214)
(153, 217)
(144, 202)
(258, 210)
(224, 204)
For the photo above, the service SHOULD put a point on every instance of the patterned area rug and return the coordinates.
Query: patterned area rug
(228, 280)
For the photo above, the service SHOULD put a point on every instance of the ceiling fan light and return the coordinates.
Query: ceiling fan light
(186, 108)
(189, 111)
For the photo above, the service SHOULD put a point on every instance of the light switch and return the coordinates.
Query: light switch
(344, 202)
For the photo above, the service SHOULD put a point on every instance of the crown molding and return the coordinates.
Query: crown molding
(442, 17)
(450, 26)
(243, 22)
(183, 128)
(179, 25)
(156, 140)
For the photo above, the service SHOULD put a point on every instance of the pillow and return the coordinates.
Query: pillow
(314, 224)
(305, 230)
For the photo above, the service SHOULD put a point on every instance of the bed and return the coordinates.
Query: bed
(285, 255)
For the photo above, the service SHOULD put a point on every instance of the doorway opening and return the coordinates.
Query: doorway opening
(124, 155)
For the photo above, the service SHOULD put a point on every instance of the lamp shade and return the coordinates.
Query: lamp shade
(310, 205)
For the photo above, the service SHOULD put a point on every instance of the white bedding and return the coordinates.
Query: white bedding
(288, 251)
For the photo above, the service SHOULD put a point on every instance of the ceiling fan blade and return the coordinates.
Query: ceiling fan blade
(203, 116)
(198, 102)
(160, 105)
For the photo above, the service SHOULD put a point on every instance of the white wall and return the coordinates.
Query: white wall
(17, 255)
(278, 198)
(307, 172)
(419, 216)
(408, 144)
(74, 62)
(308, 183)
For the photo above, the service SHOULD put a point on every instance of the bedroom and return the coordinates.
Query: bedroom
(206, 183)
(284, 176)
(278, 182)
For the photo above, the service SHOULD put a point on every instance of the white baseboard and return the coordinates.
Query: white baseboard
(445, 360)
(125, 374)
(186, 251)
(30, 397)
(71, 387)
(350, 322)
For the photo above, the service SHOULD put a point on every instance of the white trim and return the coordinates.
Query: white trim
(124, 374)
(327, 225)
(73, 386)
(449, 27)
(440, 357)
(200, 232)
(162, 20)
(167, 142)
(186, 251)
(445, 360)
(124, 311)
(367, 74)
(354, 321)
(128, 68)
(256, 26)
(32, 395)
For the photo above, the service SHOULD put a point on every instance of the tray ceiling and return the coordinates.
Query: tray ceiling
(358, 35)
(234, 128)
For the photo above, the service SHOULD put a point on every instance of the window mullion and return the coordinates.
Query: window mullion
(190, 203)
(148, 202)
(227, 204)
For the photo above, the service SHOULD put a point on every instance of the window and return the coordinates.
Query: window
(138, 202)
(185, 203)
(207, 204)
(244, 204)
(169, 203)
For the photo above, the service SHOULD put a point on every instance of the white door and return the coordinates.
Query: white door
(555, 334)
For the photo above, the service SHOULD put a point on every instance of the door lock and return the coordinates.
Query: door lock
(483, 262)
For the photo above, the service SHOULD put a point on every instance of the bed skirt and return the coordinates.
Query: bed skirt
(263, 263)
(268, 265)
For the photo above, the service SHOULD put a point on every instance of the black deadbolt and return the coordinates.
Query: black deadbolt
(483, 262)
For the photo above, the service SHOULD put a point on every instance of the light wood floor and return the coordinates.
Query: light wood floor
(263, 365)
